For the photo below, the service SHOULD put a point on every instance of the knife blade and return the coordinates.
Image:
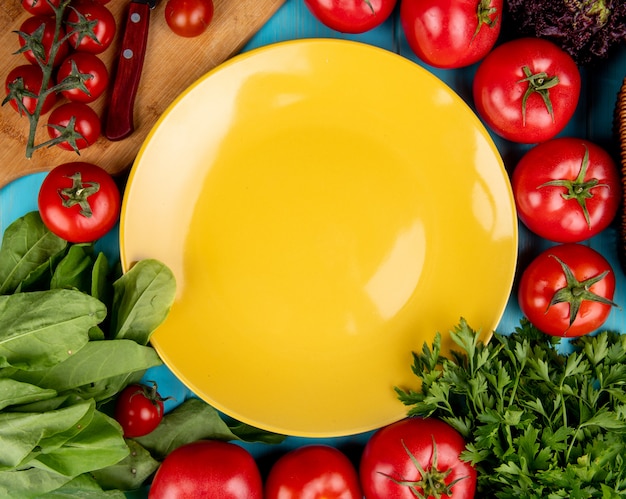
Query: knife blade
(119, 117)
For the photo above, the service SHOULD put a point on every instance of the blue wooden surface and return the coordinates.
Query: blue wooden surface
(593, 120)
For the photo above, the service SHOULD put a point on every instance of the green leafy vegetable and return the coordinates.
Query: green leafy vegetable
(538, 423)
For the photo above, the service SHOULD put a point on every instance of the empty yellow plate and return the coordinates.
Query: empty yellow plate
(326, 206)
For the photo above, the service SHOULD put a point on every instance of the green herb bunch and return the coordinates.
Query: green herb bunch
(538, 423)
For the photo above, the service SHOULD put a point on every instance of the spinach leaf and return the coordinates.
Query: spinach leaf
(131, 472)
(75, 269)
(30, 483)
(27, 246)
(42, 328)
(84, 487)
(14, 392)
(142, 298)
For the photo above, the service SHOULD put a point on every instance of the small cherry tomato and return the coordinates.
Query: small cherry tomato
(77, 123)
(313, 471)
(23, 85)
(40, 7)
(451, 33)
(206, 468)
(88, 73)
(526, 90)
(567, 290)
(139, 410)
(351, 16)
(92, 26)
(79, 202)
(567, 189)
(36, 37)
(189, 18)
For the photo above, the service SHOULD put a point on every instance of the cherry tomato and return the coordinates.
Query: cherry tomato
(566, 189)
(95, 79)
(313, 471)
(40, 31)
(451, 33)
(526, 90)
(388, 465)
(351, 16)
(23, 84)
(567, 290)
(92, 25)
(77, 122)
(40, 7)
(206, 468)
(139, 410)
(79, 202)
(189, 18)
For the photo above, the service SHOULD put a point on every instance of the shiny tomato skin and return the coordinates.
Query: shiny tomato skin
(67, 222)
(138, 410)
(351, 16)
(104, 29)
(545, 276)
(32, 78)
(189, 18)
(30, 26)
(87, 123)
(313, 471)
(40, 7)
(207, 469)
(543, 208)
(86, 63)
(449, 33)
(385, 457)
(498, 90)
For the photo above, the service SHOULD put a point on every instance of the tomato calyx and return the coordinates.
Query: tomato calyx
(484, 11)
(432, 482)
(151, 394)
(575, 291)
(369, 4)
(67, 134)
(79, 194)
(539, 83)
(579, 188)
(75, 80)
(83, 28)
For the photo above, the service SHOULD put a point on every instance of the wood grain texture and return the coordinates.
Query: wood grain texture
(172, 63)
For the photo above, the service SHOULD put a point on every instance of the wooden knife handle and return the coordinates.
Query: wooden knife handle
(119, 119)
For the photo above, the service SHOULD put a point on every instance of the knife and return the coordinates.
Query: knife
(119, 121)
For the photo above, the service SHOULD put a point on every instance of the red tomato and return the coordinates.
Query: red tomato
(351, 16)
(92, 26)
(313, 472)
(208, 468)
(389, 465)
(23, 85)
(526, 90)
(79, 202)
(95, 76)
(36, 37)
(566, 189)
(77, 123)
(451, 33)
(139, 410)
(40, 7)
(567, 290)
(188, 18)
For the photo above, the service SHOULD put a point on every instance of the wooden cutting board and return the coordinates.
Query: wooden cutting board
(172, 63)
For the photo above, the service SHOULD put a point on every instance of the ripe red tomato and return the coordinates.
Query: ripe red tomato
(21, 84)
(567, 189)
(95, 79)
(92, 26)
(526, 90)
(139, 410)
(451, 33)
(313, 471)
(77, 123)
(79, 202)
(567, 290)
(351, 16)
(188, 18)
(389, 465)
(39, 30)
(40, 7)
(206, 468)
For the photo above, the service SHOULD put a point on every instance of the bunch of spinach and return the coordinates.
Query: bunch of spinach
(73, 333)
(538, 423)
